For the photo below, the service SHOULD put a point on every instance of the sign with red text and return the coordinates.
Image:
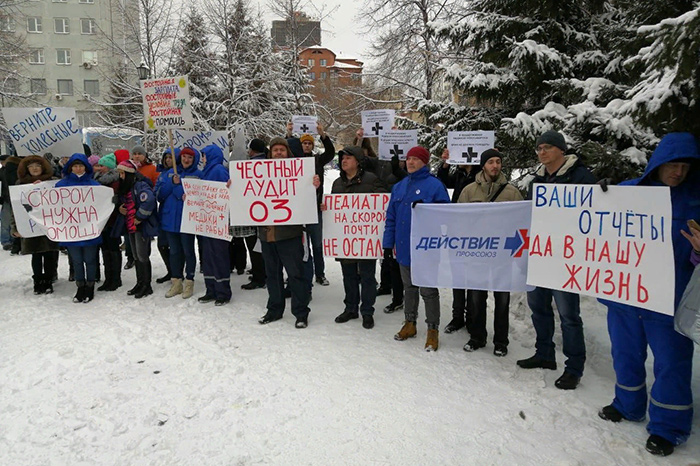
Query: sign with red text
(70, 213)
(397, 142)
(27, 227)
(466, 147)
(36, 131)
(166, 103)
(353, 225)
(615, 245)
(206, 209)
(273, 192)
(375, 121)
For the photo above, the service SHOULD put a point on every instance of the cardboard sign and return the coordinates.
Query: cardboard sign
(304, 124)
(476, 246)
(615, 245)
(375, 121)
(166, 103)
(36, 131)
(353, 225)
(206, 209)
(201, 139)
(273, 192)
(27, 227)
(466, 147)
(71, 213)
(396, 142)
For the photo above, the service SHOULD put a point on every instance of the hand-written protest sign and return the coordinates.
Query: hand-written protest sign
(201, 139)
(396, 142)
(71, 213)
(353, 225)
(615, 245)
(27, 227)
(206, 209)
(476, 246)
(36, 131)
(273, 192)
(304, 124)
(466, 147)
(166, 103)
(374, 121)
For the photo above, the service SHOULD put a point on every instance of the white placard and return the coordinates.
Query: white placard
(466, 147)
(477, 246)
(304, 124)
(71, 213)
(353, 225)
(273, 192)
(166, 103)
(614, 245)
(206, 209)
(36, 131)
(375, 121)
(27, 227)
(201, 139)
(396, 142)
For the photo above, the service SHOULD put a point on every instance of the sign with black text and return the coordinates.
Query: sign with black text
(466, 147)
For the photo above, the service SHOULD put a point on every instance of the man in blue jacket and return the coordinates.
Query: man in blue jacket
(674, 164)
(418, 187)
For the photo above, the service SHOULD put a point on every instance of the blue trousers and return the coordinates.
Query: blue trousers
(216, 267)
(5, 219)
(84, 259)
(540, 302)
(671, 405)
(360, 286)
(287, 254)
(182, 255)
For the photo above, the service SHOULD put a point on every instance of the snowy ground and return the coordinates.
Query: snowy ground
(158, 381)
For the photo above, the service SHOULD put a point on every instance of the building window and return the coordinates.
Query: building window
(38, 86)
(323, 62)
(324, 75)
(65, 86)
(88, 26)
(63, 57)
(34, 25)
(91, 87)
(36, 56)
(12, 86)
(86, 1)
(7, 24)
(312, 75)
(59, 1)
(61, 25)
(310, 62)
(90, 56)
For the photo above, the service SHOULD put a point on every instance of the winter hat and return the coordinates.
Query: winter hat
(307, 137)
(257, 145)
(488, 154)
(280, 142)
(93, 159)
(127, 166)
(187, 150)
(353, 151)
(121, 155)
(553, 138)
(139, 150)
(109, 161)
(420, 153)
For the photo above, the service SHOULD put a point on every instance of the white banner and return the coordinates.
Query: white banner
(466, 147)
(201, 139)
(615, 245)
(396, 142)
(166, 103)
(206, 209)
(71, 213)
(36, 131)
(477, 246)
(304, 124)
(353, 225)
(374, 121)
(27, 227)
(273, 192)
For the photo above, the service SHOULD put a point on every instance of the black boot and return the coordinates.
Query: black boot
(107, 259)
(139, 279)
(48, 283)
(80, 295)
(38, 284)
(165, 254)
(89, 292)
(145, 289)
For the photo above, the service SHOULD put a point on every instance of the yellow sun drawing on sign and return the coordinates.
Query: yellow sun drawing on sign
(182, 82)
(151, 123)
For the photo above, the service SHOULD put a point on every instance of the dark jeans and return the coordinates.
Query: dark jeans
(237, 254)
(182, 255)
(256, 260)
(315, 234)
(462, 307)
(140, 247)
(390, 276)
(84, 259)
(216, 267)
(45, 263)
(477, 330)
(356, 274)
(574, 346)
(287, 254)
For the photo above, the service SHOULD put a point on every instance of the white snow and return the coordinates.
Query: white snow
(158, 381)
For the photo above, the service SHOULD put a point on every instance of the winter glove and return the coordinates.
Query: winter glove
(115, 199)
(27, 207)
(604, 184)
(419, 201)
(388, 253)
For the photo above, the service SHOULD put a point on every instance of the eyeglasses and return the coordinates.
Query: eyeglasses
(544, 148)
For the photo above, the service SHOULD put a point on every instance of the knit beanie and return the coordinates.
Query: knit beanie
(109, 161)
(420, 153)
(93, 159)
(139, 150)
(126, 166)
(121, 155)
(553, 138)
(280, 142)
(488, 154)
(258, 146)
(307, 137)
